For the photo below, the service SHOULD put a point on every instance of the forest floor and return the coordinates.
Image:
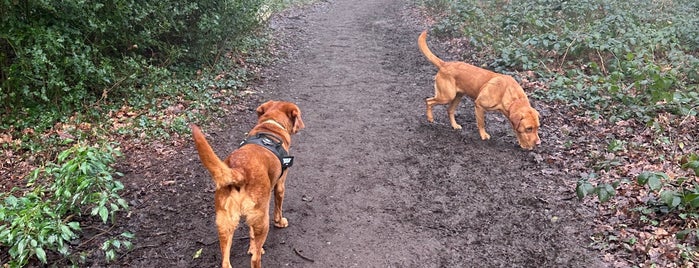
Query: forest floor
(374, 184)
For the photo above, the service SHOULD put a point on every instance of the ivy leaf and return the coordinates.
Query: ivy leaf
(692, 199)
(671, 198)
(583, 188)
(605, 192)
(684, 233)
(642, 178)
(654, 183)
(694, 165)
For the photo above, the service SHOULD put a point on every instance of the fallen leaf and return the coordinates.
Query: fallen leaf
(660, 232)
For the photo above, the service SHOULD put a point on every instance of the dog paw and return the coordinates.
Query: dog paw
(283, 223)
(251, 250)
(485, 136)
(457, 127)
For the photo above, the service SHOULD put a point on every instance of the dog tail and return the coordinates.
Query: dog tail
(220, 172)
(422, 44)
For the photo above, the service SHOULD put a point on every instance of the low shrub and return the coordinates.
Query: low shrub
(46, 218)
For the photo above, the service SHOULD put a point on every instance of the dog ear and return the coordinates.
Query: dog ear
(263, 108)
(296, 121)
(515, 119)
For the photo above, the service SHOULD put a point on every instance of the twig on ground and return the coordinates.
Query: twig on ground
(302, 257)
(95, 236)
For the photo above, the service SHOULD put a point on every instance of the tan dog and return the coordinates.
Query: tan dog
(490, 92)
(245, 180)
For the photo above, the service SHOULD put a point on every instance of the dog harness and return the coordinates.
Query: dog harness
(274, 145)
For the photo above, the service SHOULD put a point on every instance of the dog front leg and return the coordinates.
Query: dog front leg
(279, 220)
(259, 228)
(480, 121)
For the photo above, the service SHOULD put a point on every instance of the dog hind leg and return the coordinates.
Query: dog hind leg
(431, 102)
(444, 93)
(226, 225)
(452, 110)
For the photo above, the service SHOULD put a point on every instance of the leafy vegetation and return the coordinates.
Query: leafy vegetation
(74, 63)
(612, 58)
(61, 55)
(621, 84)
(47, 217)
(74, 73)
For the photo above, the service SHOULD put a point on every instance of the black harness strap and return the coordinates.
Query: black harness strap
(274, 145)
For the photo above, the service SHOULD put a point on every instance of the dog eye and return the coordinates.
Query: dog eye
(529, 130)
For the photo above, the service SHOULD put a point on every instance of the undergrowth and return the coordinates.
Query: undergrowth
(610, 58)
(78, 78)
(626, 74)
(47, 216)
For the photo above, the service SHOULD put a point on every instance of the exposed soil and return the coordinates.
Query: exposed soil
(373, 184)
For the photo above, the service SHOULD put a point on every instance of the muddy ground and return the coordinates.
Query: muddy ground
(374, 184)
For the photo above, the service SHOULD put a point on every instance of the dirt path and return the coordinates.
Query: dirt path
(374, 184)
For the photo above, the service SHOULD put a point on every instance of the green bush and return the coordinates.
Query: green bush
(123, 66)
(47, 217)
(58, 56)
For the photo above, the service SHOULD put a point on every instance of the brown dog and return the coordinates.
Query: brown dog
(490, 92)
(245, 180)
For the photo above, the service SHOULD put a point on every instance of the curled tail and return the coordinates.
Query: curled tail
(220, 172)
(422, 44)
